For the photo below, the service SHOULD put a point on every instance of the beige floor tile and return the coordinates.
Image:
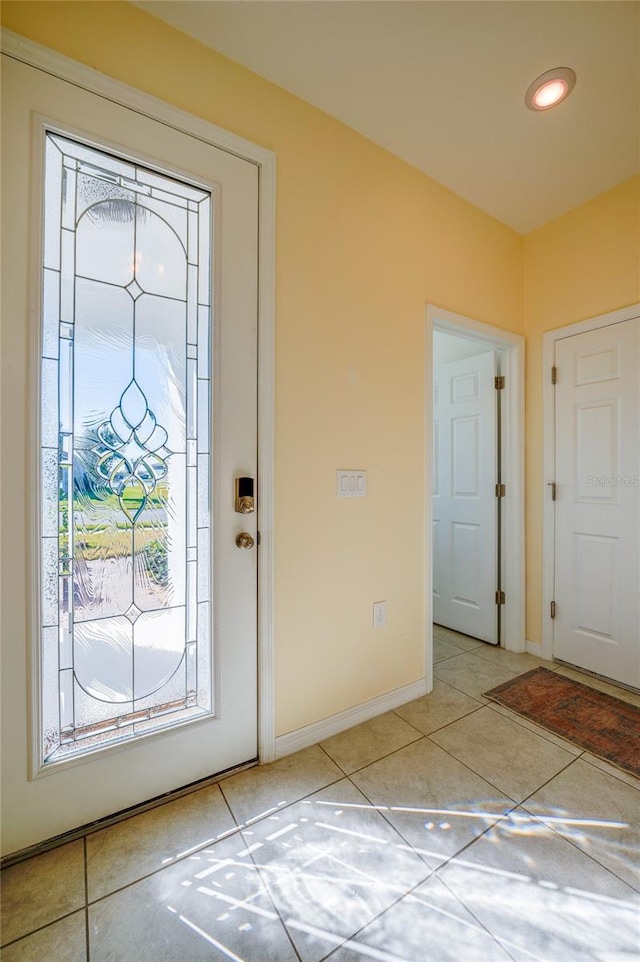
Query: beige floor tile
(518, 662)
(542, 898)
(429, 924)
(366, 743)
(145, 843)
(433, 800)
(440, 707)
(537, 729)
(465, 642)
(597, 812)
(63, 941)
(633, 698)
(332, 863)
(254, 793)
(515, 760)
(42, 890)
(444, 649)
(471, 674)
(611, 769)
(210, 906)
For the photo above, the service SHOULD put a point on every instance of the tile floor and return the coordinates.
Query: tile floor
(448, 829)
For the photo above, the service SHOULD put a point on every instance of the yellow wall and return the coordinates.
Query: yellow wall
(363, 242)
(583, 264)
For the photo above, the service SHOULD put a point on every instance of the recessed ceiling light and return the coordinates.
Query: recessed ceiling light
(550, 88)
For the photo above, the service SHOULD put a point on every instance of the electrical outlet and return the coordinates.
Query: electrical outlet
(379, 614)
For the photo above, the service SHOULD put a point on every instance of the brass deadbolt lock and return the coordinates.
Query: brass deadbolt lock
(245, 501)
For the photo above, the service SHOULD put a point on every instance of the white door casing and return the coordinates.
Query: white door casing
(37, 808)
(465, 565)
(597, 507)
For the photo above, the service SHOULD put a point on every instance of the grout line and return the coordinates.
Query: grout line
(395, 828)
(41, 928)
(615, 771)
(264, 882)
(239, 828)
(536, 730)
(419, 736)
(494, 938)
(548, 781)
(101, 824)
(350, 938)
(501, 791)
(567, 838)
(471, 711)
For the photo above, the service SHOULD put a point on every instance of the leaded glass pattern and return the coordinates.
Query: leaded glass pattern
(125, 456)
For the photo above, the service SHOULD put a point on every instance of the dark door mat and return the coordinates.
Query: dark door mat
(606, 726)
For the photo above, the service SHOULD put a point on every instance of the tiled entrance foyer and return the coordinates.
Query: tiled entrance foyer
(449, 829)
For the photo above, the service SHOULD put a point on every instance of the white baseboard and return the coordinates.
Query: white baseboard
(533, 648)
(301, 738)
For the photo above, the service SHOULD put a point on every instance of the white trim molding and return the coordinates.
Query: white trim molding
(533, 648)
(42, 58)
(512, 346)
(548, 454)
(301, 738)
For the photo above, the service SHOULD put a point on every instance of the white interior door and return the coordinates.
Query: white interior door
(464, 501)
(597, 576)
(129, 407)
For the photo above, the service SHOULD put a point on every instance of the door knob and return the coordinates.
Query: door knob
(244, 540)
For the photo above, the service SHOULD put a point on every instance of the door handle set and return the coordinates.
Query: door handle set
(244, 504)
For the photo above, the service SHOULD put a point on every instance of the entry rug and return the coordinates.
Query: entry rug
(599, 723)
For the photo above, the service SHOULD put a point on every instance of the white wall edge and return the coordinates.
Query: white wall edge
(549, 339)
(301, 738)
(533, 648)
(49, 61)
(437, 318)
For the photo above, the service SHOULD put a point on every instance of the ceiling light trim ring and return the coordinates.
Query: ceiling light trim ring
(564, 77)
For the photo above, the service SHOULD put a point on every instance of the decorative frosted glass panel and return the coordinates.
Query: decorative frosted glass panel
(125, 389)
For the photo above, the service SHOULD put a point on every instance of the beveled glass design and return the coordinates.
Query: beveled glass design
(125, 455)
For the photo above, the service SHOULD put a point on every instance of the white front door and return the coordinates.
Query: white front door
(597, 516)
(465, 556)
(129, 409)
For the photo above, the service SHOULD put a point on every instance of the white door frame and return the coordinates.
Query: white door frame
(63, 67)
(548, 454)
(439, 319)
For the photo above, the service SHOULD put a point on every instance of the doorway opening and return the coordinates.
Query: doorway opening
(475, 569)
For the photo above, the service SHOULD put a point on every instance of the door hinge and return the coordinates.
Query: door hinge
(554, 374)
(258, 537)
(499, 382)
(553, 609)
(501, 490)
(500, 598)
(553, 487)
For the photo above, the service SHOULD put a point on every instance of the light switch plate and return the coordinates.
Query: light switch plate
(352, 484)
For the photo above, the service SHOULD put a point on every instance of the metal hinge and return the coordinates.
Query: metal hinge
(553, 609)
(500, 598)
(553, 487)
(501, 490)
(554, 374)
(499, 382)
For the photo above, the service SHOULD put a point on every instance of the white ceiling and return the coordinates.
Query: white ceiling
(441, 84)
